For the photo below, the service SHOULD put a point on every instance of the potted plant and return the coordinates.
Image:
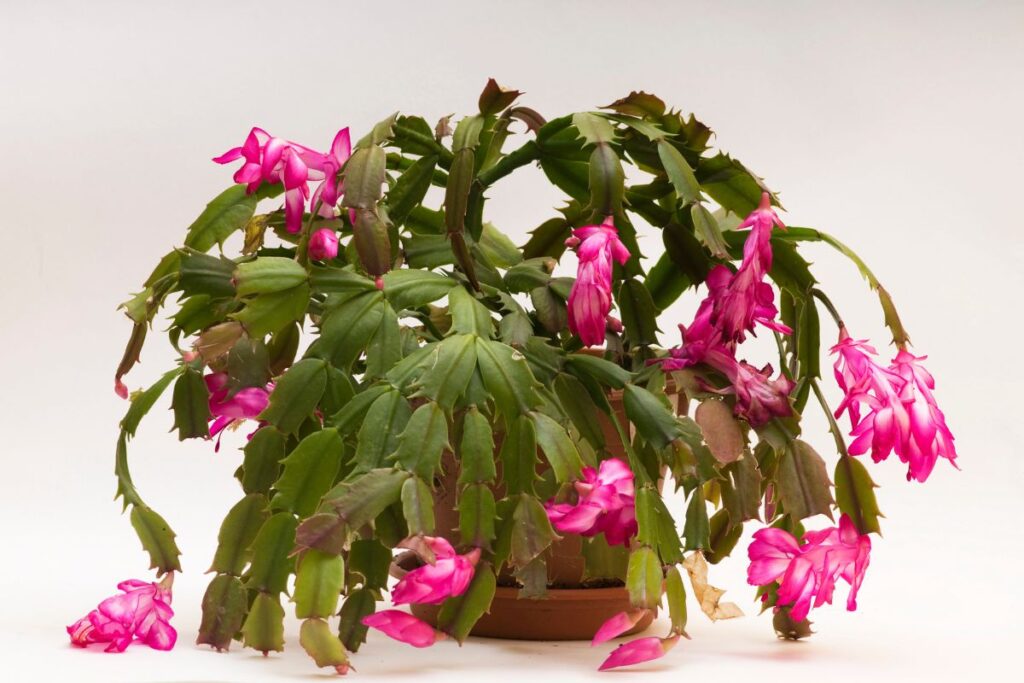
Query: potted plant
(406, 377)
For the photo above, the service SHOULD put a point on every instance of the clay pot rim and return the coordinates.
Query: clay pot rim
(583, 593)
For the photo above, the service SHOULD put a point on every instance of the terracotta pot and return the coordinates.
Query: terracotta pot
(566, 613)
(571, 610)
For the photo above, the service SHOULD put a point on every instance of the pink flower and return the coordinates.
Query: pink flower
(605, 504)
(590, 299)
(142, 611)
(757, 250)
(637, 651)
(902, 413)
(323, 245)
(759, 398)
(246, 404)
(807, 573)
(275, 160)
(432, 584)
(748, 300)
(617, 625)
(928, 437)
(404, 627)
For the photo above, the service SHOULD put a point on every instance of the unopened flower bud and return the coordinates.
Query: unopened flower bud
(323, 245)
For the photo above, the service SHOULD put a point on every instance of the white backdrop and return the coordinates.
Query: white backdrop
(893, 125)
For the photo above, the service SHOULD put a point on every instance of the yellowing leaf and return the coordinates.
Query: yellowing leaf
(708, 596)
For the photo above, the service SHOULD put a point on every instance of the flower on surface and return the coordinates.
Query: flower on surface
(141, 612)
(902, 414)
(432, 584)
(807, 573)
(590, 299)
(404, 627)
(270, 159)
(323, 245)
(637, 651)
(225, 409)
(606, 504)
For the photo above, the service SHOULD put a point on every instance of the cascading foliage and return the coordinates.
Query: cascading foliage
(370, 331)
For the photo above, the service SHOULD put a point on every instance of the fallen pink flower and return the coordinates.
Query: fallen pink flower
(807, 573)
(141, 612)
(606, 504)
(225, 409)
(638, 651)
(323, 245)
(617, 625)
(432, 584)
(404, 627)
(590, 299)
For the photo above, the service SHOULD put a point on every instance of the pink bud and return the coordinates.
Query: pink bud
(323, 245)
(617, 625)
(637, 651)
(378, 282)
(120, 389)
(614, 324)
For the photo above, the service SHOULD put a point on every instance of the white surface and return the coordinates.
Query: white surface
(896, 128)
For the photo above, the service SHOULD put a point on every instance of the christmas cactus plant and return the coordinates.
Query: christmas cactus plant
(377, 340)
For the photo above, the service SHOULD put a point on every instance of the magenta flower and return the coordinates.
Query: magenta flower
(276, 160)
(404, 627)
(927, 438)
(141, 612)
(432, 584)
(747, 300)
(638, 651)
(590, 299)
(605, 504)
(807, 573)
(323, 245)
(226, 410)
(902, 413)
(759, 398)
(757, 250)
(617, 625)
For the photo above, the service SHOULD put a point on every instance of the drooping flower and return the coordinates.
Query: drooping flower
(757, 250)
(323, 245)
(246, 404)
(638, 651)
(747, 300)
(928, 438)
(606, 504)
(902, 414)
(860, 377)
(759, 398)
(618, 624)
(270, 159)
(432, 584)
(141, 612)
(807, 572)
(737, 303)
(590, 299)
(404, 627)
